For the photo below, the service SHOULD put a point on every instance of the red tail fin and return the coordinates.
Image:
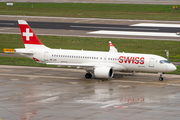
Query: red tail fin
(29, 37)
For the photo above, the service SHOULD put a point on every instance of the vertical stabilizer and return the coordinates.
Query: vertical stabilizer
(31, 41)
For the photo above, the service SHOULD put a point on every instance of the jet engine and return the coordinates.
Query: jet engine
(103, 72)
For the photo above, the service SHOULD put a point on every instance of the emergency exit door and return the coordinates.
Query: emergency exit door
(45, 56)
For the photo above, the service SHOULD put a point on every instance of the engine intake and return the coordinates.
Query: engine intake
(103, 72)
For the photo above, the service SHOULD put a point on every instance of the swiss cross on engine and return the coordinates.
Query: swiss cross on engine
(27, 34)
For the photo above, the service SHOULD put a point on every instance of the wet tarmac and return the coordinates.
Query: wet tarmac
(41, 93)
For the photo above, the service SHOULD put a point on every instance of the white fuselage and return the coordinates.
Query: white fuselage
(117, 61)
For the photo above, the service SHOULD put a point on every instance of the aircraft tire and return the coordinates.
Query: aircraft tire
(160, 78)
(88, 75)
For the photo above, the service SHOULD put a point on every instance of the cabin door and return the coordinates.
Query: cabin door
(151, 62)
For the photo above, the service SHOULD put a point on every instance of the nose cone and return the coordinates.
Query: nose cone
(171, 68)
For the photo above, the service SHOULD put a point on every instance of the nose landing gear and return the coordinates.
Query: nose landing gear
(161, 78)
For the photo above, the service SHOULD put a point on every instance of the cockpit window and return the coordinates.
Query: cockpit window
(164, 61)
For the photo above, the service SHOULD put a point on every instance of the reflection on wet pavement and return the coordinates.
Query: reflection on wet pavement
(31, 93)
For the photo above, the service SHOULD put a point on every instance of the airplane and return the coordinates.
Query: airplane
(96, 63)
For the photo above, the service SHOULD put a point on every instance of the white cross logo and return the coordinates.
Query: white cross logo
(27, 34)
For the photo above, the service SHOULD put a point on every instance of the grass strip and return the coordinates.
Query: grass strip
(92, 10)
(157, 47)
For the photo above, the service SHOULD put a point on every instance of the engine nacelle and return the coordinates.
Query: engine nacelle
(103, 72)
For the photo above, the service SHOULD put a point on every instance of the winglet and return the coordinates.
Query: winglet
(110, 44)
(112, 48)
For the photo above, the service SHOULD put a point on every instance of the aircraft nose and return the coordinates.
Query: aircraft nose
(172, 68)
(175, 68)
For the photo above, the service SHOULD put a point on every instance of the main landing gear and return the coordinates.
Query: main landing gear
(88, 75)
(161, 78)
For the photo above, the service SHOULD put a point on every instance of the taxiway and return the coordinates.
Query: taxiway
(92, 27)
(41, 93)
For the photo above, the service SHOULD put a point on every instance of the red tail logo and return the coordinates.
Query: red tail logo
(29, 37)
(27, 34)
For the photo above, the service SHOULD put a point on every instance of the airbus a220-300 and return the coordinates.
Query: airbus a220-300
(97, 64)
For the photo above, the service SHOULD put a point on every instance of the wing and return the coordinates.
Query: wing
(89, 65)
(72, 64)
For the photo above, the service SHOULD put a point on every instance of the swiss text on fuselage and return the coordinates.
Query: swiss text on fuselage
(132, 60)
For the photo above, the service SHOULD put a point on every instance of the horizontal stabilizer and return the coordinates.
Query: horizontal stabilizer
(24, 51)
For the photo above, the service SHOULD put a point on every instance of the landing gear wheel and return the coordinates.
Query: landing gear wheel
(160, 78)
(88, 75)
